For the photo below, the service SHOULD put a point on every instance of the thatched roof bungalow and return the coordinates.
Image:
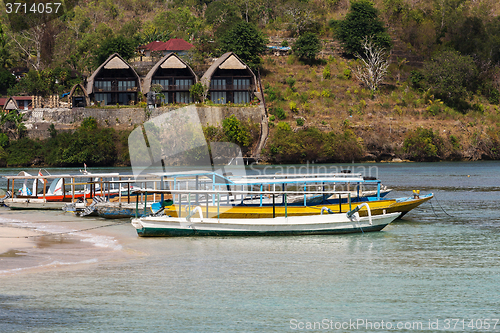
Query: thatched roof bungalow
(230, 80)
(114, 82)
(175, 76)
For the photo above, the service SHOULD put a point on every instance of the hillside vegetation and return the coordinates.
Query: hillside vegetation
(438, 99)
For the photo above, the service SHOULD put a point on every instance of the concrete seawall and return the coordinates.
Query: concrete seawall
(39, 120)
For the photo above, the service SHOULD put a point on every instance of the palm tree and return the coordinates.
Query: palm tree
(13, 121)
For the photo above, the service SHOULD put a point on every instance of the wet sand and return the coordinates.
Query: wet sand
(13, 239)
(30, 240)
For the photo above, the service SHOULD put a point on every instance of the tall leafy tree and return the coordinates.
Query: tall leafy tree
(222, 15)
(361, 21)
(7, 80)
(125, 47)
(5, 50)
(451, 76)
(307, 46)
(246, 41)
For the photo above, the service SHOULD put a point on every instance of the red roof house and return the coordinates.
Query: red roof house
(175, 45)
(18, 103)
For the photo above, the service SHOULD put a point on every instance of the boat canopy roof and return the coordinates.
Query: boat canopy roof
(88, 175)
(303, 180)
(217, 178)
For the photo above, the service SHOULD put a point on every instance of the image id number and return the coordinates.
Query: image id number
(40, 8)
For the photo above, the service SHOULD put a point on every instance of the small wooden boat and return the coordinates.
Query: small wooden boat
(63, 189)
(319, 224)
(400, 205)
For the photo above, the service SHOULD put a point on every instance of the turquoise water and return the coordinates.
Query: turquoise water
(435, 270)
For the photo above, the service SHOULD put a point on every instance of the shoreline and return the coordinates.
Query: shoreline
(31, 241)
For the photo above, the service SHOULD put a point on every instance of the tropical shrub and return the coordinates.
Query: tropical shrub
(287, 146)
(361, 21)
(451, 76)
(423, 145)
(236, 132)
(307, 46)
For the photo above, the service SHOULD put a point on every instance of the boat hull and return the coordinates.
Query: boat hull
(117, 211)
(18, 204)
(281, 226)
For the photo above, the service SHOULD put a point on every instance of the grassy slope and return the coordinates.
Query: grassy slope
(381, 123)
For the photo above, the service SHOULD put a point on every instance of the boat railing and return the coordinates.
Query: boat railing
(351, 213)
(88, 184)
(339, 175)
(218, 199)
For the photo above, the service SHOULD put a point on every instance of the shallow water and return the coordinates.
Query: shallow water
(427, 272)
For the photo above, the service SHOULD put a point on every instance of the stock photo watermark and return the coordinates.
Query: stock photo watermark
(310, 168)
(359, 324)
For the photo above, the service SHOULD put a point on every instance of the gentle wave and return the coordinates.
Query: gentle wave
(52, 264)
(50, 229)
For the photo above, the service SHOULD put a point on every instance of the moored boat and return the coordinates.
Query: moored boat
(400, 205)
(319, 224)
(63, 189)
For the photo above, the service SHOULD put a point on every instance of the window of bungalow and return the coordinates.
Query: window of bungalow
(125, 85)
(126, 98)
(241, 84)
(183, 96)
(104, 99)
(218, 84)
(22, 104)
(103, 85)
(241, 97)
(164, 83)
(218, 97)
(183, 84)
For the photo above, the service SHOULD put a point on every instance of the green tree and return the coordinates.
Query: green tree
(125, 47)
(423, 145)
(199, 92)
(13, 123)
(222, 15)
(361, 21)
(5, 50)
(236, 132)
(307, 46)
(471, 38)
(247, 42)
(44, 82)
(179, 22)
(23, 152)
(89, 144)
(7, 80)
(451, 76)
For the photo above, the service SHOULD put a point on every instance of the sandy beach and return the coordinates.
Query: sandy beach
(44, 239)
(15, 239)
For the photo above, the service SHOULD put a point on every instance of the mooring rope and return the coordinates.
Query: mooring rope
(442, 207)
(432, 206)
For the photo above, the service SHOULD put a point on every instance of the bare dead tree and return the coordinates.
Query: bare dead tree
(374, 64)
(29, 42)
